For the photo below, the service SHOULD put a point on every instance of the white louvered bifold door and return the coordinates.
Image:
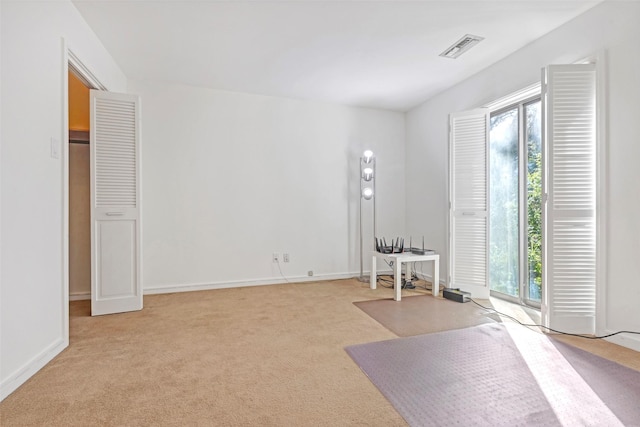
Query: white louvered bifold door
(570, 211)
(116, 284)
(468, 192)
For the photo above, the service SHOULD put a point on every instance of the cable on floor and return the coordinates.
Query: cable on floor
(550, 329)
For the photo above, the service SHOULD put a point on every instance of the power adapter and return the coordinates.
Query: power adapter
(455, 294)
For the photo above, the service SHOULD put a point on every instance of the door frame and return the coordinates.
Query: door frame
(70, 62)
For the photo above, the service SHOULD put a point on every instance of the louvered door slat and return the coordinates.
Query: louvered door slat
(469, 202)
(570, 275)
(116, 159)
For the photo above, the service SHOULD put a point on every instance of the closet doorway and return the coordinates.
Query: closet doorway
(79, 190)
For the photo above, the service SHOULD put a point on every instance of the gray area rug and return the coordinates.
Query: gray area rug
(499, 375)
(424, 314)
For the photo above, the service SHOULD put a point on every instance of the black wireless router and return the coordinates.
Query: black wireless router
(395, 247)
(423, 251)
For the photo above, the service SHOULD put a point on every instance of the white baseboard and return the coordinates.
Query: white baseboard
(22, 374)
(167, 289)
(625, 340)
(429, 279)
(186, 287)
(79, 296)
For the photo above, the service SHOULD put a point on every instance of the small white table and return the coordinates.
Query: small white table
(407, 258)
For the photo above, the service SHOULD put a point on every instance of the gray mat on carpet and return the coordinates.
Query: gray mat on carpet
(499, 375)
(424, 314)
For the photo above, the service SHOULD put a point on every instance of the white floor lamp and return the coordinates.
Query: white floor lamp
(367, 192)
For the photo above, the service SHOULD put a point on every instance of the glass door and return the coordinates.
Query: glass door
(504, 200)
(515, 233)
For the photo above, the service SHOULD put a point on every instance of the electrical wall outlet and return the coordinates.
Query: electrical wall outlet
(276, 257)
(285, 257)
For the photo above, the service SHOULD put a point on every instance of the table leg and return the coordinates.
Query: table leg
(436, 278)
(373, 276)
(407, 271)
(397, 284)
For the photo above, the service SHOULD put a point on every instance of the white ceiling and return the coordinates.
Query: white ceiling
(380, 54)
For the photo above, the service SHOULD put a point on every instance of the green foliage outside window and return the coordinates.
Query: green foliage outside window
(534, 200)
(534, 229)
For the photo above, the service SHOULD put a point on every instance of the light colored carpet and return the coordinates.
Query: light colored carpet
(499, 375)
(259, 356)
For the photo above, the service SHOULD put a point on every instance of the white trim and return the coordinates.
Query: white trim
(514, 97)
(190, 287)
(65, 192)
(22, 374)
(82, 72)
(70, 62)
(160, 289)
(602, 248)
(624, 340)
(80, 296)
(429, 278)
(187, 287)
(544, 306)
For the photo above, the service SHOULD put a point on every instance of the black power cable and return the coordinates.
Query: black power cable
(550, 329)
(381, 278)
(385, 278)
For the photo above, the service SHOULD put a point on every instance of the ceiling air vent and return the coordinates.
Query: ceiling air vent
(461, 46)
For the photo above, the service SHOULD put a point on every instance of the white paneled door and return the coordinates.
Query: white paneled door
(116, 284)
(468, 199)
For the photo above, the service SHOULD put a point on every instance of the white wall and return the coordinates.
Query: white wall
(32, 288)
(230, 178)
(612, 26)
